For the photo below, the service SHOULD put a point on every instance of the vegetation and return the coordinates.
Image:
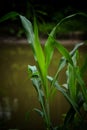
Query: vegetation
(74, 89)
(46, 14)
(75, 24)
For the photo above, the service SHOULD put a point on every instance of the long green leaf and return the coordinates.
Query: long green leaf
(55, 29)
(63, 60)
(65, 94)
(40, 58)
(71, 76)
(28, 29)
(49, 45)
(76, 47)
(63, 51)
(37, 84)
(82, 84)
(33, 39)
(71, 82)
(10, 15)
(38, 50)
(49, 49)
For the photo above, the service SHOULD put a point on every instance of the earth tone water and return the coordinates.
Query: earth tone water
(17, 95)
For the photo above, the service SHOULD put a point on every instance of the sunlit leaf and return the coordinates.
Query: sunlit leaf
(39, 51)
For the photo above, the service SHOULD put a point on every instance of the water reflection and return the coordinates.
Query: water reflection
(8, 108)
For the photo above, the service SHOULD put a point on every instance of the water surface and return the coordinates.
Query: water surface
(17, 95)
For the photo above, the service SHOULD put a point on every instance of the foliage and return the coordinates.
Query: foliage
(74, 89)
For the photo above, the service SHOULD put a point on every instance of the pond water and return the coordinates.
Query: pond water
(18, 97)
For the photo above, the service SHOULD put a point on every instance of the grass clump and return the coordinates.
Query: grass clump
(74, 89)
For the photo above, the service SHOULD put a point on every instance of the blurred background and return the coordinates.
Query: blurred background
(17, 95)
(48, 13)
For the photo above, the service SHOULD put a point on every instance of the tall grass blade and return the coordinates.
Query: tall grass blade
(38, 50)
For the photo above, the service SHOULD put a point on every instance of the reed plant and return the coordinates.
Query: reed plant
(74, 89)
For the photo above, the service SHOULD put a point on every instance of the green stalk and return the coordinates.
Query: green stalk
(47, 105)
(48, 114)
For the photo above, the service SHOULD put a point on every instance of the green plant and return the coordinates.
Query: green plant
(74, 89)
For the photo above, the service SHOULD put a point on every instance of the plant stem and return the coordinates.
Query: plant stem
(48, 114)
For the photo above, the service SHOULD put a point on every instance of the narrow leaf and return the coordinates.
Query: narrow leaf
(76, 47)
(49, 49)
(40, 58)
(55, 29)
(38, 49)
(39, 112)
(63, 51)
(10, 15)
(71, 77)
(82, 84)
(65, 94)
(28, 29)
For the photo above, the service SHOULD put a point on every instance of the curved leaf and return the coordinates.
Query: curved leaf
(9, 16)
(63, 51)
(65, 94)
(28, 29)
